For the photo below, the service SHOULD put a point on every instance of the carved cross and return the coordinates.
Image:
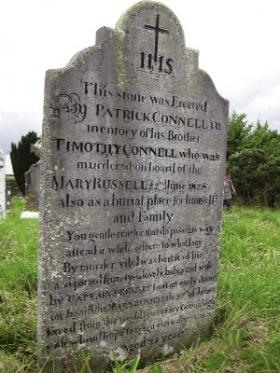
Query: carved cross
(157, 30)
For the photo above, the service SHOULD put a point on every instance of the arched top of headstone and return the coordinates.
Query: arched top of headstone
(151, 30)
(154, 18)
(147, 45)
(148, 39)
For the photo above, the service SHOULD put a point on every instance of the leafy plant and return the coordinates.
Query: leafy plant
(254, 161)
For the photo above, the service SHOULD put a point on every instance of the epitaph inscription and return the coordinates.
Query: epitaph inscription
(132, 169)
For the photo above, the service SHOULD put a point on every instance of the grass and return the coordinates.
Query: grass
(18, 282)
(246, 336)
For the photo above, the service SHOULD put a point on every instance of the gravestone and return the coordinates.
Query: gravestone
(32, 185)
(132, 166)
(2, 185)
(32, 179)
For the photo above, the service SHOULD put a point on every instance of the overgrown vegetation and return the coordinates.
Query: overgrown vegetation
(22, 157)
(246, 336)
(253, 155)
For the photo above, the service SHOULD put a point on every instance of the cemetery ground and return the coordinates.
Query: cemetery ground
(245, 335)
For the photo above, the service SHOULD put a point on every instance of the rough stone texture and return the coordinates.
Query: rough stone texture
(133, 155)
(2, 185)
(32, 185)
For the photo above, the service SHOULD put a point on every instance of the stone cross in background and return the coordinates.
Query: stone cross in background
(2, 185)
(133, 155)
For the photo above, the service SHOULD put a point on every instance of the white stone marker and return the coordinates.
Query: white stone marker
(133, 155)
(29, 215)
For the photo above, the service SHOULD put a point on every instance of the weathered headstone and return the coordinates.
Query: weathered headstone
(2, 185)
(132, 172)
(32, 179)
(32, 185)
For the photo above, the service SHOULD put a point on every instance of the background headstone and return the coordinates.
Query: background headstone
(2, 184)
(12, 189)
(32, 186)
(32, 179)
(133, 155)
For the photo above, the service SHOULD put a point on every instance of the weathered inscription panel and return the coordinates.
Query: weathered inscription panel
(132, 168)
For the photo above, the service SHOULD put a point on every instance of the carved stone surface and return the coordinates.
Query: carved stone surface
(133, 155)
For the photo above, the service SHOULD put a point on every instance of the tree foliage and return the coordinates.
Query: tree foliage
(22, 158)
(254, 161)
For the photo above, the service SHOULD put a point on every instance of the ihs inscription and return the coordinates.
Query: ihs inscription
(155, 61)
